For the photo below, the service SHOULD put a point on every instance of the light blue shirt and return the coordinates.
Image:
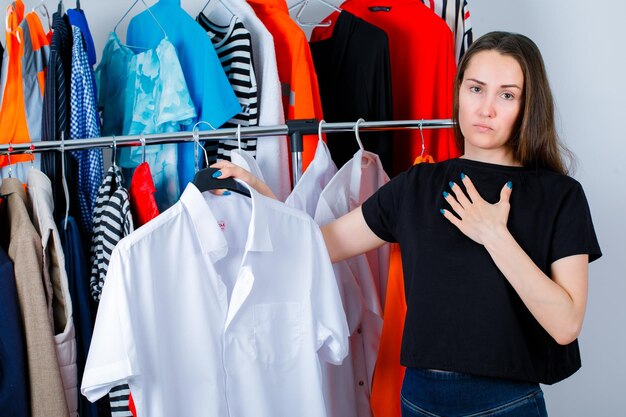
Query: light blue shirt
(211, 93)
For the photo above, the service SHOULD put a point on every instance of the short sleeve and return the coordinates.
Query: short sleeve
(331, 327)
(381, 209)
(110, 360)
(574, 233)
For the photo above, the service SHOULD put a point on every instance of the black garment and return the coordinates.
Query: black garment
(56, 108)
(354, 76)
(462, 314)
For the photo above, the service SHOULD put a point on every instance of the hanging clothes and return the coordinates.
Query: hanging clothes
(56, 104)
(211, 93)
(112, 220)
(233, 45)
(456, 14)
(296, 71)
(362, 281)
(268, 337)
(14, 398)
(77, 18)
(307, 192)
(76, 267)
(40, 193)
(47, 397)
(272, 152)
(146, 93)
(143, 205)
(84, 124)
(354, 76)
(423, 69)
(23, 83)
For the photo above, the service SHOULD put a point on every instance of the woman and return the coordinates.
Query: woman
(495, 245)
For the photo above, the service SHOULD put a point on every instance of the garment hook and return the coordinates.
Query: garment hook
(113, 162)
(196, 138)
(142, 139)
(356, 133)
(9, 151)
(31, 151)
(64, 181)
(422, 137)
(319, 129)
(239, 136)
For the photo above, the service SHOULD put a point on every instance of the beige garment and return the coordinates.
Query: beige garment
(42, 205)
(47, 397)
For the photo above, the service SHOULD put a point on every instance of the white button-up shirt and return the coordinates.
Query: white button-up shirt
(221, 306)
(362, 283)
(321, 170)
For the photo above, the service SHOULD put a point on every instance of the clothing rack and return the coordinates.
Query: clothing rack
(295, 129)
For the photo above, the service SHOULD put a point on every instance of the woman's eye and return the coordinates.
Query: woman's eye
(475, 89)
(508, 96)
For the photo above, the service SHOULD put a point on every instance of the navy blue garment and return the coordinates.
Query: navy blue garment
(77, 18)
(78, 282)
(14, 398)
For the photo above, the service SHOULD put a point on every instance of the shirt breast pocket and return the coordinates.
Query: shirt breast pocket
(277, 332)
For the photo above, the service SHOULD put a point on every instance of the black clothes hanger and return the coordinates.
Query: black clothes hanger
(204, 181)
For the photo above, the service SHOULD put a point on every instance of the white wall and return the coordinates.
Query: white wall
(581, 44)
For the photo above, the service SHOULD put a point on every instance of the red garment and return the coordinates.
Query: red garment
(388, 373)
(423, 68)
(144, 208)
(142, 202)
(296, 71)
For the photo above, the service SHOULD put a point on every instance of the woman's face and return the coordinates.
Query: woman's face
(490, 99)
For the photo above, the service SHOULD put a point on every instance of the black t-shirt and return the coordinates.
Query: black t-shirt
(462, 314)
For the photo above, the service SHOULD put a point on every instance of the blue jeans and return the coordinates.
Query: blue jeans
(451, 394)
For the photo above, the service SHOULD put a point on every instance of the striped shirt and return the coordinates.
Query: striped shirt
(456, 14)
(233, 45)
(112, 220)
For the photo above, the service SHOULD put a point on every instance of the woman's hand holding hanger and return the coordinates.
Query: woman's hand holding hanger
(229, 170)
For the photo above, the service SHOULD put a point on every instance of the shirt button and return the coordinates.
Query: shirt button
(361, 383)
(359, 330)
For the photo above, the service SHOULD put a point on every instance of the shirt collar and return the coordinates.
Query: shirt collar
(208, 233)
(13, 186)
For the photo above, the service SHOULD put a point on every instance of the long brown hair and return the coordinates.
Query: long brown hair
(534, 139)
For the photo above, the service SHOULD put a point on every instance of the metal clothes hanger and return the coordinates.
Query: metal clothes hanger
(149, 11)
(77, 4)
(422, 137)
(9, 151)
(204, 179)
(44, 11)
(223, 3)
(142, 139)
(356, 134)
(303, 4)
(66, 191)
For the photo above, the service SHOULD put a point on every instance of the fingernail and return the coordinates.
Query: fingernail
(442, 211)
(226, 193)
(510, 185)
(451, 184)
(217, 174)
(462, 175)
(445, 194)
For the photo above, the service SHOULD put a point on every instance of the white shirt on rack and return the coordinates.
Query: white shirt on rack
(362, 283)
(306, 193)
(220, 306)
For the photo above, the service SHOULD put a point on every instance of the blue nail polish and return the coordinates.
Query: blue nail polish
(462, 175)
(442, 211)
(445, 194)
(451, 184)
(510, 185)
(226, 193)
(217, 174)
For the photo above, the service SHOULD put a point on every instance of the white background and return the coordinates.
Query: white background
(582, 45)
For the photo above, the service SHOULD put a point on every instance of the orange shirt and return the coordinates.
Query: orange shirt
(296, 72)
(26, 45)
(388, 373)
